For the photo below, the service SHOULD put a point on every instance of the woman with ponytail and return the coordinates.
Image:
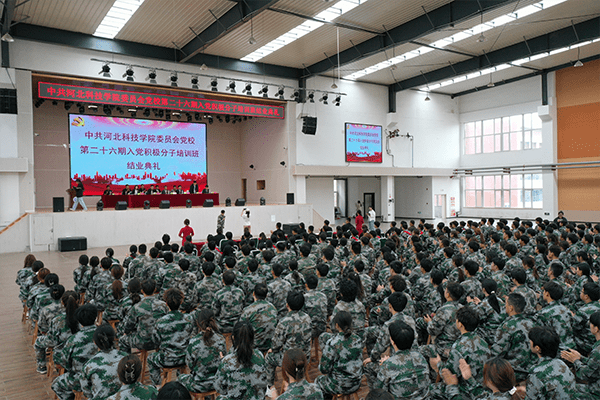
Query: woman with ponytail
(295, 386)
(46, 316)
(295, 278)
(130, 370)
(341, 363)
(62, 327)
(24, 275)
(99, 377)
(203, 354)
(134, 296)
(242, 373)
(490, 310)
(114, 294)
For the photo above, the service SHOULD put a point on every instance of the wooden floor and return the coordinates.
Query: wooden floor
(18, 376)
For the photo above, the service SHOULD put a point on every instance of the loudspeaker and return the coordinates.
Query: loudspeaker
(240, 202)
(121, 205)
(309, 125)
(164, 204)
(188, 203)
(287, 228)
(100, 205)
(208, 203)
(228, 202)
(290, 198)
(146, 204)
(263, 201)
(58, 204)
(72, 243)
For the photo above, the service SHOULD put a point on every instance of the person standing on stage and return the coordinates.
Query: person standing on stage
(194, 188)
(186, 231)
(221, 220)
(78, 195)
(107, 192)
(246, 219)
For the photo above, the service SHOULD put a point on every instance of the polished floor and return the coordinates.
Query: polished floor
(18, 376)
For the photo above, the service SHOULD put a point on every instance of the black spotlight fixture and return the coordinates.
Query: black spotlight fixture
(151, 76)
(146, 112)
(227, 119)
(107, 110)
(173, 79)
(39, 102)
(296, 95)
(189, 117)
(161, 113)
(337, 101)
(100, 205)
(120, 110)
(210, 119)
(213, 85)
(81, 108)
(263, 202)
(197, 116)
(248, 89)
(54, 102)
(146, 204)
(188, 203)
(280, 92)
(129, 74)
(105, 71)
(311, 97)
(231, 86)
(68, 105)
(194, 82)
(168, 116)
(133, 112)
(324, 98)
(265, 90)
(228, 202)
(282, 163)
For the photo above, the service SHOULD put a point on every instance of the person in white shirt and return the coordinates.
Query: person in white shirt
(372, 216)
(246, 219)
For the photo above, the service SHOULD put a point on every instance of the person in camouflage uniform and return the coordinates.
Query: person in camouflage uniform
(499, 276)
(152, 265)
(80, 274)
(293, 368)
(341, 361)
(512, 262)
(173, 332)
(129, 371)
(112, 296)
(39, 295)
(293, 330)
(519, 279)
(584, 340)
(203, 354)
(422, 286)
(47, 314)
(99, 377)
(490, 311)
(78, 349)
(97, 289)
(306, 264)
(278, 291)
(134, 270)
(242, 374)
(442, 327)
(511, 338)
(251, 279)
(169, 273)
(315, 305)
(242, 265)
(472, 285)
(263, 317)
(556, 316)
(139, 325)
(207, 287)
(582, 271)
(326, 285)
(587, 369)
(405, 374)
(228, 303)
(550, 378)
(348, 302)
(24, 275)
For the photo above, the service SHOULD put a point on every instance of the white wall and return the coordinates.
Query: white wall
(357, 187)
(414, 197)
(451, 188)
(319, 193)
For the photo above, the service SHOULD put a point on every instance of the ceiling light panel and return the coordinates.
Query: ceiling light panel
(117, 17)
(306, 27)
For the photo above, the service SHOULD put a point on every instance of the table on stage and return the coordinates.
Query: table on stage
(177, 200)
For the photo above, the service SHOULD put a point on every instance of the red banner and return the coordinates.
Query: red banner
(84, 94)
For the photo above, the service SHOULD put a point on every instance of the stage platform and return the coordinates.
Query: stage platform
(40, 231)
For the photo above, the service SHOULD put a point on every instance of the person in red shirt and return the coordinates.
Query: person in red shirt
(359, 222)
(186, 231)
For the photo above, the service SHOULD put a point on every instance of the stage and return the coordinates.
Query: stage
(40, 231)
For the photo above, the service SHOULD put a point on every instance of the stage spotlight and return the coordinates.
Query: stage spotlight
(248, 89)
(161, 113)
(105, 71)
(324, 98)
(146, 204)
(219, 118)
(39, 103)
(54, 102)
(68, 105)
(173, 79)
(280, 92)
(227, 119)
(100, 205)
(189, 117)
(168, 116)
(213, 85)
(197, 116)
(146, 112)
(231, 86)
(133, 114)
(129, 73)
(296, 94)
(120, 110)
(151, 76)
(188, 203)
(107, 110)
(228, 202)
(282, 163)
(311, 97)
(81, 109)
(263, 202)
(337, 101)
(265, 90)
(210, 119)
(177, 115)
(194, 82)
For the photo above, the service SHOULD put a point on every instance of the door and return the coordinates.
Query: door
(244, 188)
(340, 197)
(368, 201)
(439, 208)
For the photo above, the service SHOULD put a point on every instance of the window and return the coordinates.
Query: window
(513, 133)
(504, 191)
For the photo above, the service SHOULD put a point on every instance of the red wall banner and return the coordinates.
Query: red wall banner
(84, 94)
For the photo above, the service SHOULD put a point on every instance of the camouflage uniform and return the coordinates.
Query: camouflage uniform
(203, 361)
(293, 330)
(80, 277)
(512, 263)
(581, 327)
(358, 312)
(443, 328)
(112, 310)
(306, 266)
(99, 378)
(302, 390)
(512, 343)
(139, 326)
(237, 382)
(242, 265)
(24, 275)
(249, 281)
(550, 379)
(78, 349)
(327, 287)
(558, 317)
(263, 317)
(315, 305)
(151, 267)
(472, 288)
(55, 338)
(299, 286)
(173, 334)
(530, 296)
(489, 319)
(39, 297)
(135, 267)
(588, 370)
(135, 391)
(228, 305)
(97, 289)
(44, 325)
(341, 363)
(278, 291)
(503, 282)
(205, 291)
(405, 375)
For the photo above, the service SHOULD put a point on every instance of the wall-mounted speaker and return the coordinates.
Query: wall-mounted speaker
(309, 125)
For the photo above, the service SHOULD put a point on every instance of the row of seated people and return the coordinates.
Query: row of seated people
(479, 311)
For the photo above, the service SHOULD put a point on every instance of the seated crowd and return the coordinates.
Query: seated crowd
(469, 310)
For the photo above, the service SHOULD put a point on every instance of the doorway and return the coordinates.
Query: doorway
(340, 198)
(439, 209)
(244, 189)
(368, 201)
